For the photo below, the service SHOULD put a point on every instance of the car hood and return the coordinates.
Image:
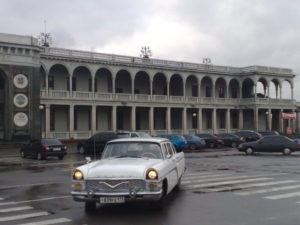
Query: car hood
(120, 168)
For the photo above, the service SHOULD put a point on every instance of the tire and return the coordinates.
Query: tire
(90, 207)
(286, 151)
(233, 144)
(249, 151)
(81, 150)
(193, 147)
(211, 145)
(60, 157)
(39, 156)
(22, 154)
(160, 204)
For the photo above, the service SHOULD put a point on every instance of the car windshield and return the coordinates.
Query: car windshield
(143, 134)
(132, 150)
(51, 142)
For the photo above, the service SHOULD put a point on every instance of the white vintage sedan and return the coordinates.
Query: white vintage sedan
(131, 169)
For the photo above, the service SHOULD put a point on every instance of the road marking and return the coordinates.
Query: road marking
(288, 195)
(269, 190)
(225, 183)
(23, 216)
(196, 174)
(15, 209)
(200, 178)
(48, 222)
(229, 177)
(1, 199)
(34, 200)
(252, 185)
(25, 185)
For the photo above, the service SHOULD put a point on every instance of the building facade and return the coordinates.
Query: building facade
(73, 94)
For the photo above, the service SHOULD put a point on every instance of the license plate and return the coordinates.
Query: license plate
(109, 200)
(56, 149)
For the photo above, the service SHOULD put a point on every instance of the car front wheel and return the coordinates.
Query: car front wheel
(193, 147)
(249, 151)
(233, 144)
(22, 154)
(81, 150)
(286, 151)
(39, 156)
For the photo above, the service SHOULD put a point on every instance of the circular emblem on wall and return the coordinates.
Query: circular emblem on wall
(20, 119)
(20, 100)
(20, 81)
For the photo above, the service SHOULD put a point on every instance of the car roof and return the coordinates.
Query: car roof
(140, 139)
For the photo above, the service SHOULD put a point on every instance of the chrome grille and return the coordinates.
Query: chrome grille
(115, 186)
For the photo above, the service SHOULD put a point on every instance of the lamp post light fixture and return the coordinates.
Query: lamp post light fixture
(194, 121)
(146, 52)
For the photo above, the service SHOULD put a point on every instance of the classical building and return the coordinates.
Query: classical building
(70, 94)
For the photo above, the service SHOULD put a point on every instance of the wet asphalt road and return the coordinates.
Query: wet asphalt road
(219, 188)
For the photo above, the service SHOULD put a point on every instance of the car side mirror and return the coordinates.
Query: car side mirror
(88, 160)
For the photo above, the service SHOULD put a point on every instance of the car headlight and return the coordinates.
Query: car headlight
(77, 175)
(152, 174)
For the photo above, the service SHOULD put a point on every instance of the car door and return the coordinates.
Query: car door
(266, 144)
(170, 166)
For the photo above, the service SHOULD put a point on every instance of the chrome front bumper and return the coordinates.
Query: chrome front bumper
(94, 197)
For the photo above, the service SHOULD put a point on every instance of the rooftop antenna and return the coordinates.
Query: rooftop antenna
(45, 38)
(146, 52)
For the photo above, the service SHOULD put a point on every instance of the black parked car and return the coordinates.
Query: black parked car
(249, 135)
(270, 143)
(231, 140)
(42, 148)
(96, 143)
(211, 140)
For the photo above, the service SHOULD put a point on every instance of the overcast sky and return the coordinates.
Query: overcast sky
(229, 32)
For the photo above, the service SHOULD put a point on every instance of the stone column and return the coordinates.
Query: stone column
(241, 119)
(133, 118)
(71, 121)
(255, 118)
(200, 120)
(214, 120)
(228, 122)
(114, 118)
(94, 119)
(184, 122)
(168, 120)
(47, 121)
(151, 120)
(270, 119)
(280, 122)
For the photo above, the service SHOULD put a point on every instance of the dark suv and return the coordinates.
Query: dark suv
(96, 143)
(249, 135)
